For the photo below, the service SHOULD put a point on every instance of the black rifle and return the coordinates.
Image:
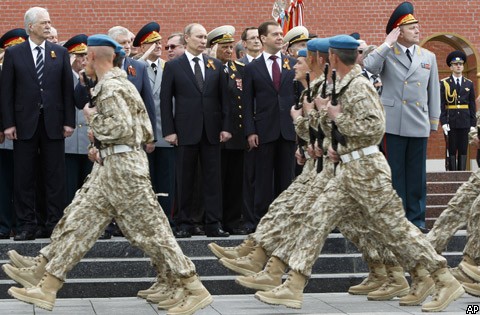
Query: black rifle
(478, 151)
(311, 131)
(89, 86)
(337, 137)
(297, 105)
(320, 133)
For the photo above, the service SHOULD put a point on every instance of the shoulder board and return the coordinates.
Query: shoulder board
(468, 80)
(444, 79)
(425, 49)
(239, 63)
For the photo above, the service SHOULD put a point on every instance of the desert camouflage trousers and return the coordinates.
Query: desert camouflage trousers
(461, 209)
(119, 189)
(363, 189)
(271, 228)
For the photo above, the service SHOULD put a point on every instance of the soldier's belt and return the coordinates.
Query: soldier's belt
(459, 106)
(119, 148)
(355, 155)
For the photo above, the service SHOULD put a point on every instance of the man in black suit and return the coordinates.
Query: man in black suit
(38, 113)
(268, 97)
(200, 124)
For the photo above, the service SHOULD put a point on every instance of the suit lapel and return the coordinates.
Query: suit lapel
(183, 60)
(401, 56)
(158, 79)
(416, 59)
(262, 68)
(49, 53)
(28, 56)
(285, 68)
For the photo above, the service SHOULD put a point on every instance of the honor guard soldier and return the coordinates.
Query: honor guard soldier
(458, 111)
(296, 38)
(78, 166)
(233, 150)
(10, 38)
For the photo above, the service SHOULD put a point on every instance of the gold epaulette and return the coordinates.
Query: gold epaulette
(444, 79)
(239, 63)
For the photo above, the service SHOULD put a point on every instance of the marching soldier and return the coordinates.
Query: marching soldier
(458, 111)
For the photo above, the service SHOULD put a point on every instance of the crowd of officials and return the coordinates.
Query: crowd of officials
(219, 127)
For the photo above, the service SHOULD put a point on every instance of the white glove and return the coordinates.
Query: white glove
(446, 129)
(472, 129)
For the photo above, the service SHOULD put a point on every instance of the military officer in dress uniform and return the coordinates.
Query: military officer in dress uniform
(10, 38)
(76, 147)
(296, 39)
(233, 150)
(458, 110)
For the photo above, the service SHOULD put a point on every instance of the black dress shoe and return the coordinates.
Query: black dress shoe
(41, 233)
(237, 231)
(24, 236)
(424, 230)
(4, 236)
(181, 233)
(249, 230)
(105, 236)
(198, 230)
(218, 232)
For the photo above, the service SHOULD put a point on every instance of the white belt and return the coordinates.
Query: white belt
(355, 155)
(119, 148)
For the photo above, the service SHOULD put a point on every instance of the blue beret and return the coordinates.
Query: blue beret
(105, 40)
(302, 53)
(318, 44)
(456, 57)
(343, 42)
(355, 35)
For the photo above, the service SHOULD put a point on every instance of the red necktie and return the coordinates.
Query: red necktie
(275, 72)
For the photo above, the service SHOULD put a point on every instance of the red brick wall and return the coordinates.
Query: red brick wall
(322, 17)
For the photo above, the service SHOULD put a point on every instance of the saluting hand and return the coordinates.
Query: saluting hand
(392, 36)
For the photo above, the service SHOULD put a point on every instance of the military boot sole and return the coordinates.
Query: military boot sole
(420, 299)
(12, 275)
(200, 305)
(20, 263)
(16, 293)
(458, 293)
(296, 304)
(143, 294)
(399, 293)
(363, 291)
(213, 247)
(473, 291)
(256, 286)
(239, 270)
(469, 272)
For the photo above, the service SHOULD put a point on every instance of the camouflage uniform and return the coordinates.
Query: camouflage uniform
(364, 185)
(119, 189)
(462, 208)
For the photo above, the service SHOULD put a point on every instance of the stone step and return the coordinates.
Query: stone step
(443, 187)
(439, 199)
(435, 211)
(448, 176)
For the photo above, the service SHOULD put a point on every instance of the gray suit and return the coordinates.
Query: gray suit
(411, 98)
(78, 142)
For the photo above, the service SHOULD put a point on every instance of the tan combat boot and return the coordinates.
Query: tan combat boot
(248, 265)
(267, 279)
(422, 286)
(396, 285)
(173, 298)
(167, 292)
(43, 295)
(241, 250)
(470, 268)
(27, 277)
(376, 277)
(20, 261)
(472, 288)
(460, 275)
(159, 285)
(195, 298)
(289, 294)
(447, 290)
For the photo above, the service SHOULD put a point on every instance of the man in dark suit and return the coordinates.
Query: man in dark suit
(457, 116)
(268, 97)
(38, 113)
(200, 124)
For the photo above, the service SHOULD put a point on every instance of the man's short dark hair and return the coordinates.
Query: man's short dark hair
(346, 56)
(263, 28)
(244, 33)
(179, 34)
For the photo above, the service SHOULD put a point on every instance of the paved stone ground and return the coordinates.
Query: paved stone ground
(317, 303)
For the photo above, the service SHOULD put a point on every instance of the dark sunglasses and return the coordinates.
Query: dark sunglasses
(171, 47)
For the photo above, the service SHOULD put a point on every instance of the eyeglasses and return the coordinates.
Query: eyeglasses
(171, 47)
